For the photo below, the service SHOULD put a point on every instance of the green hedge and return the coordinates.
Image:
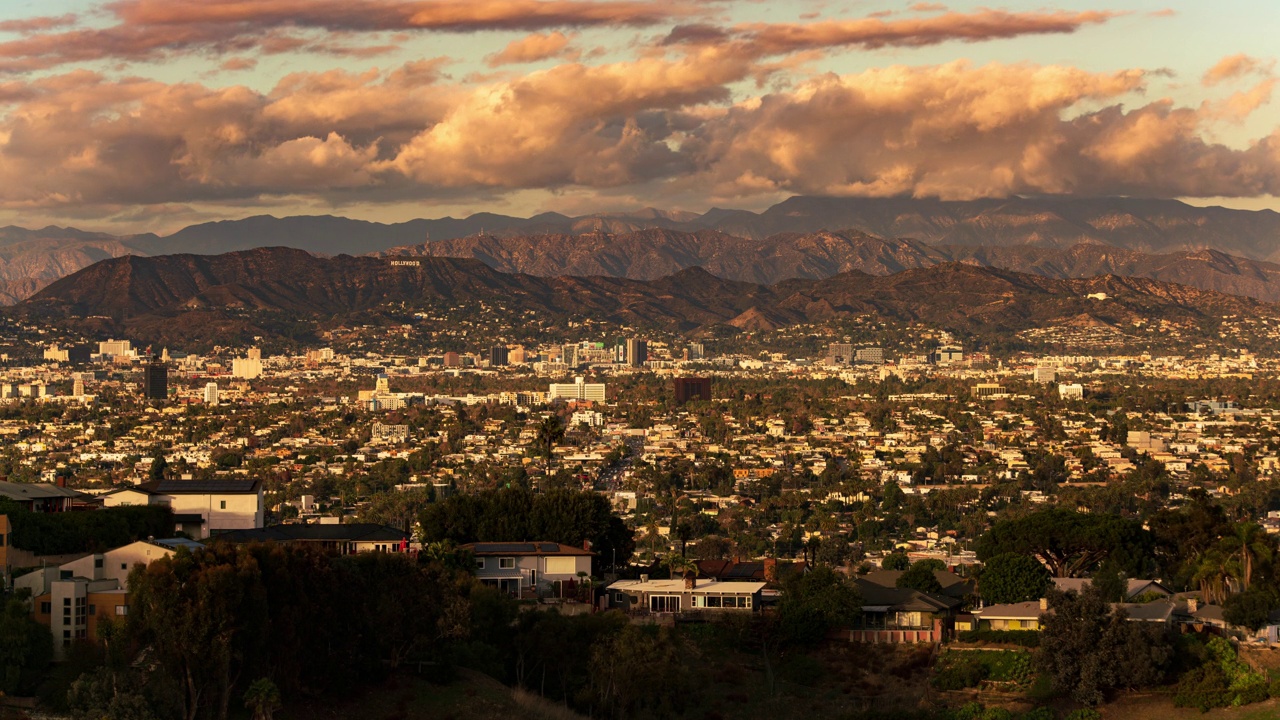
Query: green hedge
(84, 531)
(1021, 638)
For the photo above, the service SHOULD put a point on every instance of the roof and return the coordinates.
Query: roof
(1028, 610)
(1133, 586)
(737, 570)
(24, 492)
(354, 532)
(677, 586)
(1156, 611)
(175, 543)
(952, 584)
(899, 599)
(484, 549)
(201, 487)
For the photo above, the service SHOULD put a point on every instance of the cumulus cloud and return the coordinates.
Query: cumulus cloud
(655, 125)
(531, 48)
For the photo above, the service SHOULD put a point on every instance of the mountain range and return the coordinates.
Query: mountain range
(141, 296)
(806, 237)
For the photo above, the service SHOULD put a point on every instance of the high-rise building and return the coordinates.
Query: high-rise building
(77, 388)
(255, 354)
(518, 356)
(156, 381)
(1045, 374)
(382, 385)
(839, 354)
(697, 351)
(637, 352)
(498, 356)
(872, 355)
(115, 348)
(569, 355)
(692, 388)
(452, 359)
(577, 390)
(56, 354)
(246, 368)
(211, 393)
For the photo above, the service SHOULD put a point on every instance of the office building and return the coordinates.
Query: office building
(1045, 374)
(696, 351)
(839, 354)
(569, 356)
(498, 356)
(56, 354)
(1072, 391)
(115, 348)
(871, 355)
(77, 387)
(692, 388)
(576, 390)
(452, 359)
(637, 352)
(246, 368)
(382, 385)
(211, 393)
(156, 381)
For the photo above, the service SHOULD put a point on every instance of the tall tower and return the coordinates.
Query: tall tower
(637, 352)
(156, 381)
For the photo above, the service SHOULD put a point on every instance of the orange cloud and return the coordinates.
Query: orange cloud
(1235, 66)
(531, 48)
(153, 29)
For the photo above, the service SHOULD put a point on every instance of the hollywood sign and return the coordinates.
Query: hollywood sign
(406, 263)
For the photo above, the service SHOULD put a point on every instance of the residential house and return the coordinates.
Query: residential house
(39, 497)
(891, 614)
(200, 507)
(515, 567)
(1011, 616)
(72, 597)
(689, 594)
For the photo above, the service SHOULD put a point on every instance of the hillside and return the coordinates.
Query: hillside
(141, 294)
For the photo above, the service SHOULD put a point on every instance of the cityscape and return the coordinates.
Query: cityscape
(639, 360)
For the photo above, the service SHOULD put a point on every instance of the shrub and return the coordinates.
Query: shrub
(1040, 713)
(1084, 714)
(1021, 638)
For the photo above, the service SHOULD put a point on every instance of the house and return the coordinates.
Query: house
(71, 598)
(200, 507)
(1011, 616)
(1134, 588)
(39, 497)
(687, 594)
(953, 586)
(514, 567)
(891, 614)
(343, 539)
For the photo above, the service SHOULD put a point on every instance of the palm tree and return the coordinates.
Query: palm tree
(1214, 575)
(263, 698)
(550, 432)
(1252, 545)
(681, 565)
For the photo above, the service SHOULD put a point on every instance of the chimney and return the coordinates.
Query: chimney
(690, 581)
(1192, 605)
(771, 570)
(1044, 604)
(644, 578)
(60, 481)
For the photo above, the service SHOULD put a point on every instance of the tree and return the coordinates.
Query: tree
(1069, 543)
(26, 647)
(1087, 649)
(1110, 582)
(1013, 578)
(263, 698)
(815, 602)
(642, 672)
(896, 561)
(1250, 609)
(550, 432)
(920, 576)
(1251, 546)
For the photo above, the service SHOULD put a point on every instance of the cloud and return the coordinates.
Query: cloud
(928, 7)
(154, 29)
(873, 33)
(36, 24)
(531, 48)
(654, 126)
(1233, 67)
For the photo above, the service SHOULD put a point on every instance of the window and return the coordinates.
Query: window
(124, 566)
(97, 563)
(222, 505)
(3, 539)
(64, 574)
(506, 563)
(714, 602)
(93, 609)
(122, 610)
(46, 608)
(619, 598)
(479, 563)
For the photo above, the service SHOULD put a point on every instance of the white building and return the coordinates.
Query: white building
(247, 368)
(211, 393)
(116, 348)
(56, 354)
(1045, 374)
(1073, 391)
(200, 507)
(577, 390)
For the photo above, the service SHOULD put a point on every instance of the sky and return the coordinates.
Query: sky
(149, 115)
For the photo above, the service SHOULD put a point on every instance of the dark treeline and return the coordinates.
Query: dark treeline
(59, 533)
(519, 514)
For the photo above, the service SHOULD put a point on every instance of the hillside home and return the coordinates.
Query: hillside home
(200, 507)
(687, 594)
(517, 566)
